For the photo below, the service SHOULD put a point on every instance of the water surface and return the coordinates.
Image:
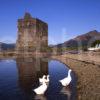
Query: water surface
(19, 77)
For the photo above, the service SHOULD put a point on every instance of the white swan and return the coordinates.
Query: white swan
(42, 79)
(41, 89)
(66, 81)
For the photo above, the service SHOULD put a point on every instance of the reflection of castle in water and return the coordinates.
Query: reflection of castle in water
(29, 70)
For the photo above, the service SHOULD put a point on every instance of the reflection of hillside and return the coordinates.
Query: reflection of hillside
(29, 70)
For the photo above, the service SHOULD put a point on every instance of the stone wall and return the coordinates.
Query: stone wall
(32, 34)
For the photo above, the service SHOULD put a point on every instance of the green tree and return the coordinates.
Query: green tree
(95, 43)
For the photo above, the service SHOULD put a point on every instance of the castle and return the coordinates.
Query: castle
(32, 34)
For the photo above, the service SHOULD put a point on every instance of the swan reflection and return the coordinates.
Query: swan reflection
(66, 91)
(40, 97)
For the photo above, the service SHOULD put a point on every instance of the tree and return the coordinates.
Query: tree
(95, 43)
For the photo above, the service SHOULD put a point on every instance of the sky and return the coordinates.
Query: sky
(66, 18)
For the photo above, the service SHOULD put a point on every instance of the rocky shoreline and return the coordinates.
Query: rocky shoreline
(88, 73)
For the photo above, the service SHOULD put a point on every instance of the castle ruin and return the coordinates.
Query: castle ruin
(32, 34)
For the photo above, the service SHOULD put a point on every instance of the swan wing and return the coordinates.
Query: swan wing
(65, 81)
(41, 89)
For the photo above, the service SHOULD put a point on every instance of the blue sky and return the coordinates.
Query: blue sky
(66, 18)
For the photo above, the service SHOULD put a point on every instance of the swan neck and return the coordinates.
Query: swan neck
(44, 83)
(48, 78)
(43, 77)
(69, 73)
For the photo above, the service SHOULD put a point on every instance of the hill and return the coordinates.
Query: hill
(82, 41)
(4, 46)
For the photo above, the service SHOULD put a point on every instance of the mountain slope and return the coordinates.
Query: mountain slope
(84, 40)
(4, 46)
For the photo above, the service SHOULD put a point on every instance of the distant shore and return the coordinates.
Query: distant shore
(14, 54)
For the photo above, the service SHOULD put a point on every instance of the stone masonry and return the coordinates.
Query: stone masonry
(32, 34)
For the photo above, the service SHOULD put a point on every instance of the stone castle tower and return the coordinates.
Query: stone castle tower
(32, 34)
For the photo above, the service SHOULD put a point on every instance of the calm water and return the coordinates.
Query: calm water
(19, 77)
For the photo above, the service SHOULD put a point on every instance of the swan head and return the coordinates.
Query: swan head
(48, 76)
(44, 76)
(69, 70)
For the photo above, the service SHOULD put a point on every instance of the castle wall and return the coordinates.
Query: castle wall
(32, 34)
